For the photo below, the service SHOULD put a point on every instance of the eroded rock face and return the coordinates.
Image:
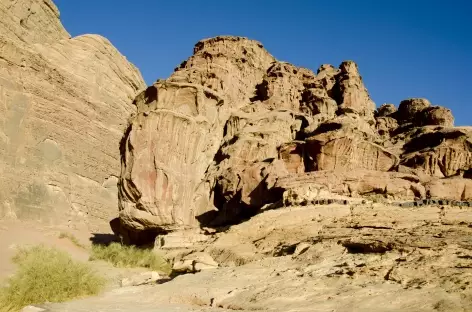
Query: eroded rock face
(351, 92)
(233, 130)
(177, 132)
(64, 103)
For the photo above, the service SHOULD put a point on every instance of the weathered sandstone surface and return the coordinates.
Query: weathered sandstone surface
(233, 129)
(64, 104)
(346, 258)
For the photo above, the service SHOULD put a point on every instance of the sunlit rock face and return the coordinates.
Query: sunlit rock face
(64, 104)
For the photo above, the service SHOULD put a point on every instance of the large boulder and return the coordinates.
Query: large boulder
(435, 116)
(64, 104)
(408, 108)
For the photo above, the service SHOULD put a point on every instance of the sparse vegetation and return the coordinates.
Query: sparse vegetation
(47, 275)
(129, 256)
(376, 198)
(72, 238)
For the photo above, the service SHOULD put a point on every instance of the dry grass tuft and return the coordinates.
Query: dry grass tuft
(47, 275)
(130, 256)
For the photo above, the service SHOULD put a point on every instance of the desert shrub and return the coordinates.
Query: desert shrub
(129, 256)
(47, 275)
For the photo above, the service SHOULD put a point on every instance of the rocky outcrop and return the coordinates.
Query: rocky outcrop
(234, 130)
(64, 104)
(358, 182)
(366, 257)
(162, 181)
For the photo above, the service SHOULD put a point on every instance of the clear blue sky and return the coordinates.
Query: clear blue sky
(414, 48)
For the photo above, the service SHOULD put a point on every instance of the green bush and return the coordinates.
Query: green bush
(129, 256)
(47, 275)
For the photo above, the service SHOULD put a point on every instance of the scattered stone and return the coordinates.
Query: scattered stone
(194, 262)
(141, 279)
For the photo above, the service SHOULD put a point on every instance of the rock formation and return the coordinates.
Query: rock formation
(64, 104)
(232, 129)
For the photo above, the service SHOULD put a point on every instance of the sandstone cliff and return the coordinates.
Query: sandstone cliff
(64, 104)
(233, 129)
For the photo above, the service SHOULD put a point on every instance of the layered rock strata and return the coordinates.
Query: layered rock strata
(64, 104)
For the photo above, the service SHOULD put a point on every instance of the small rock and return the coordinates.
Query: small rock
(301, 248)
(141, 279)
(194, 262)
(32, 309)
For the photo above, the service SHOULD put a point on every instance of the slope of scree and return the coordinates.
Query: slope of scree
(64, 104)
(233, 129)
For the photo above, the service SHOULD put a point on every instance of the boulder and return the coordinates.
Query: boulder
(194, 262)
(408, 108)
(141, 279)
(64, 105)
(386, 110)
(435, 116)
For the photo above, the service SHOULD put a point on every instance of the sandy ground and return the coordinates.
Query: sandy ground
(15, 234)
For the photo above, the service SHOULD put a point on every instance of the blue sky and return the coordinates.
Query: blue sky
(414, 48)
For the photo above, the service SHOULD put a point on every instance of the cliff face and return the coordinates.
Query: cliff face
(233, 129)
(64, 104)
